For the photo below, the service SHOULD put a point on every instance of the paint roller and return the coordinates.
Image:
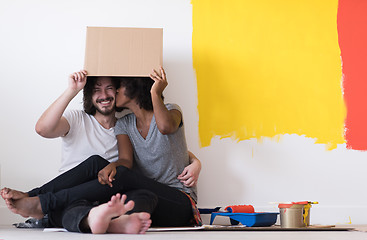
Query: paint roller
(240, 209)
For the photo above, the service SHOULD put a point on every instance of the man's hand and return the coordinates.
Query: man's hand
(107, 174)
(78, 80)
(190, 174)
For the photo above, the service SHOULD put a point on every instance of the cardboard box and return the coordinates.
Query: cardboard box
(112, 51)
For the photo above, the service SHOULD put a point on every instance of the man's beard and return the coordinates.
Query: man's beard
(104, 112)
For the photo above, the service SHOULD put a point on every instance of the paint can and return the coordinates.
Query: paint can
(295, 214)
(306, 214)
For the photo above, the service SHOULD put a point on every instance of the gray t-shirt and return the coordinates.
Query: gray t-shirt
(159, 157)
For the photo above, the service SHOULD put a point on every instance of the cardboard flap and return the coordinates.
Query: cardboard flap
(123, 51)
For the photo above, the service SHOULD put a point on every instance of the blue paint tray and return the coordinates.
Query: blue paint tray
(208, 210)
(260, 219)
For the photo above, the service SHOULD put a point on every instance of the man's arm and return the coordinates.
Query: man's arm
(190, 175)
(52, 124)
(167, 121)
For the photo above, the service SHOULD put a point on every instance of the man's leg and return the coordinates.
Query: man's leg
(84, 172)
(173, 209)
(8, 193)
(27, 204)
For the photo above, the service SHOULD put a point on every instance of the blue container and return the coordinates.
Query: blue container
(261, 219)
(208, 210)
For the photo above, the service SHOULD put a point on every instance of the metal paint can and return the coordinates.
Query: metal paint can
(295, 214)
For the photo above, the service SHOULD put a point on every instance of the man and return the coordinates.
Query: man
(84, 133)
(89, 132)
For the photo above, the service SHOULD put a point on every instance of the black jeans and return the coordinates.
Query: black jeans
(173, 207)
(72, 217)
(145, 201)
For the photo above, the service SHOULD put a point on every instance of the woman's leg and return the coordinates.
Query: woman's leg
(72, 216)
(173, 208)
(144, 201)
(107, 217)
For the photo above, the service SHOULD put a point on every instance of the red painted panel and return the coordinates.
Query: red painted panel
(352, 31)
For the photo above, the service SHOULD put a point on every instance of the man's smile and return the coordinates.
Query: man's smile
(105, 102)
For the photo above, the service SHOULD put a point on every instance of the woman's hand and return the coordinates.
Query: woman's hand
(107, 174)
(160, 81)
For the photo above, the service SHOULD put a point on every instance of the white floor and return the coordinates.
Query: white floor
(10, 233)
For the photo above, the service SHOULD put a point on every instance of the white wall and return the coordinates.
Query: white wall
(43, 41)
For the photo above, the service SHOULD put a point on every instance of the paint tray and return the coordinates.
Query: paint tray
(260, 219)
(208, 210)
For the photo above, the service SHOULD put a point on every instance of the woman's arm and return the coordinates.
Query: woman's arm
(125, 149)
(167, 121)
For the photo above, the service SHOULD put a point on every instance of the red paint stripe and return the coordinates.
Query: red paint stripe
(352, 31)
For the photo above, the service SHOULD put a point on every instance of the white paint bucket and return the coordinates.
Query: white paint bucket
(295, 214)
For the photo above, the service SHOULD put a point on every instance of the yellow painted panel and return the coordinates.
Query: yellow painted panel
(266, 68)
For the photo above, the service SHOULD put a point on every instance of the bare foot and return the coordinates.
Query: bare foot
(26, 207)
(136, 223)
(8, 193)
(99, 217)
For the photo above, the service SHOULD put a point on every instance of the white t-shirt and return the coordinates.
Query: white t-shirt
(85, 138)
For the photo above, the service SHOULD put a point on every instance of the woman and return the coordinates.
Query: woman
(154, 136)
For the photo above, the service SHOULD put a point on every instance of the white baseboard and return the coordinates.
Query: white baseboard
(338, 215)
(319, 215)
(8, 218)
